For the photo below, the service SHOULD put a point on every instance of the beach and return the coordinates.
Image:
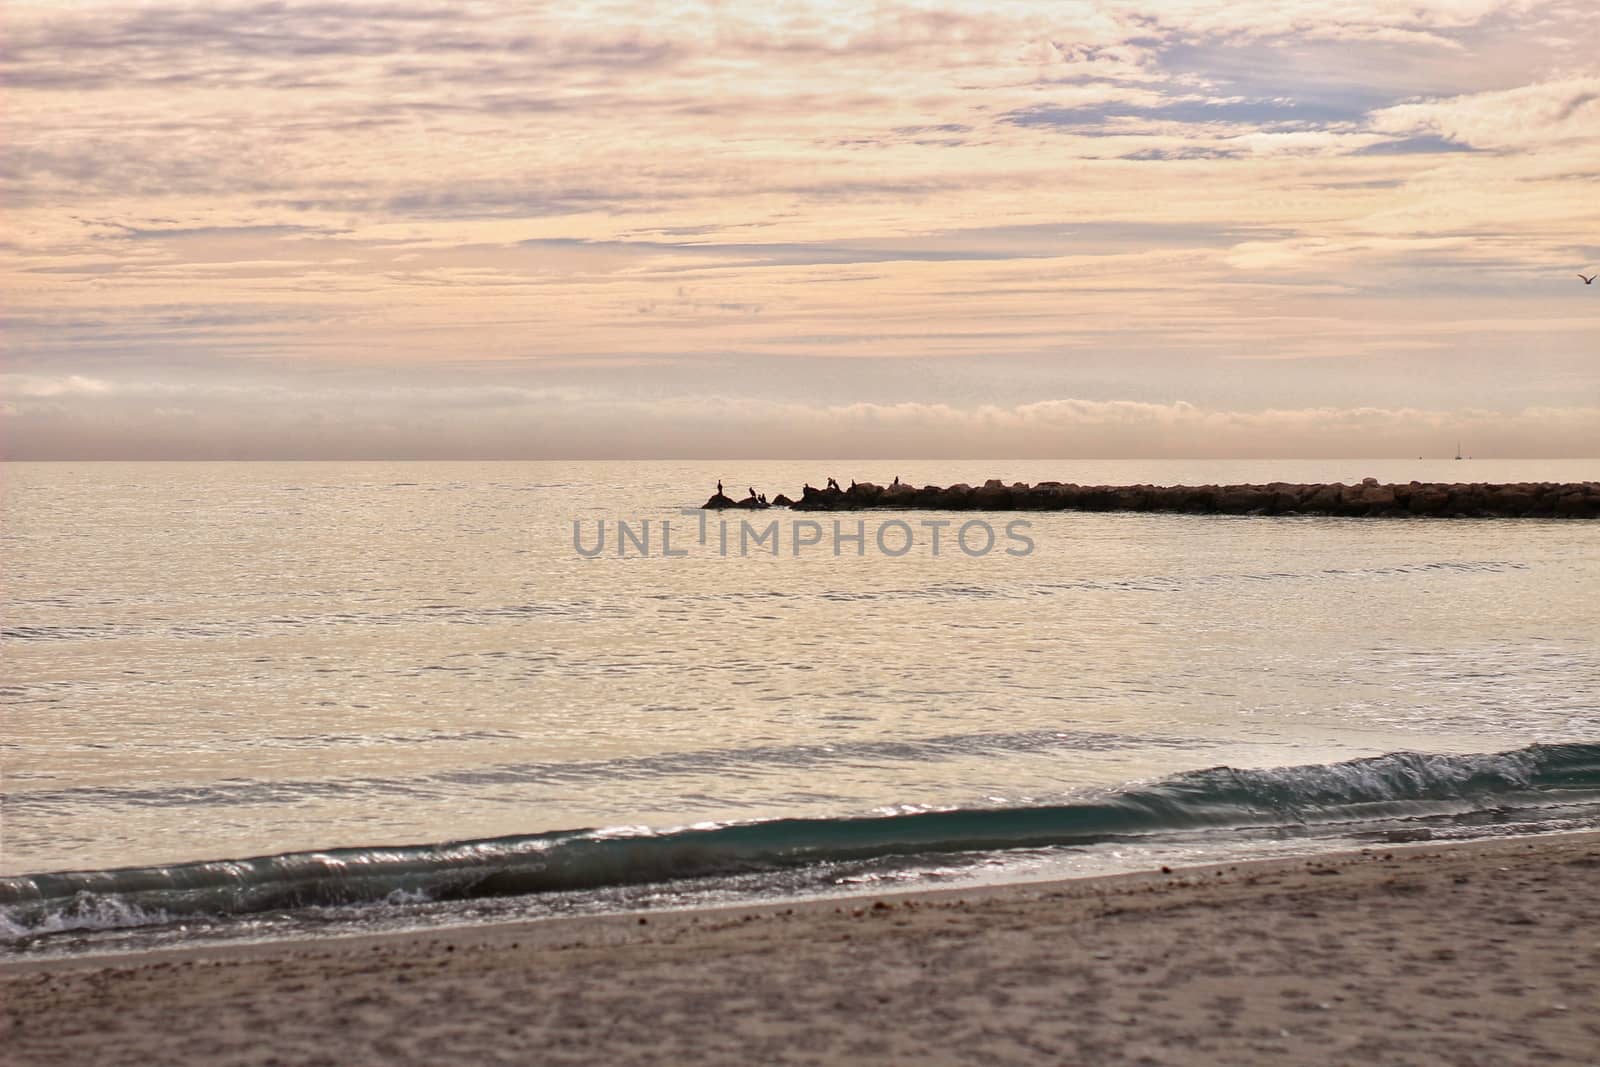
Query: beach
(1482, 952)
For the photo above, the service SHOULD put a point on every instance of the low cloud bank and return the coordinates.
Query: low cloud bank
(86, 418)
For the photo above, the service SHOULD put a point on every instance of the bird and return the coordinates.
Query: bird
(1589, 279)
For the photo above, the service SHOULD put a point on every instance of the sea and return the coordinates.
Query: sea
(251, 701)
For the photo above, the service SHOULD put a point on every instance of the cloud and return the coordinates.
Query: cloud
(76, 418)
(1539, 115)
(1425, 144)
(29, 387)
(1250, 114)
(802, 196)
(1418, 22)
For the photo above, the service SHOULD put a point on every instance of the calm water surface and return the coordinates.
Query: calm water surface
(223, 660)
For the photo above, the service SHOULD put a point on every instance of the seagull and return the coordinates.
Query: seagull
(1589, 280)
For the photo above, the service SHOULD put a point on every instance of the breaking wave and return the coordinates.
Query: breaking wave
(1337, 796)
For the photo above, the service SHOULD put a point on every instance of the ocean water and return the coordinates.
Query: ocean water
(249, 700)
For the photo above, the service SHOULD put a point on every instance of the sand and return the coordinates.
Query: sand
(1482, 953)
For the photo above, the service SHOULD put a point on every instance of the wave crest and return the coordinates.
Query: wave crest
(1397, 785)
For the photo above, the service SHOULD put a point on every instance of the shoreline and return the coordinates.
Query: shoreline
(1481, 951)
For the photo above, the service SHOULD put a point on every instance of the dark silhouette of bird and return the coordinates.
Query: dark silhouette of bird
(719, 486)
(1589, 279)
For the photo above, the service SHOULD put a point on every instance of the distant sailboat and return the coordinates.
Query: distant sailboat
(1458, 449)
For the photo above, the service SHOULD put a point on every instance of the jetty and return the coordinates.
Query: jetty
(1570, 500)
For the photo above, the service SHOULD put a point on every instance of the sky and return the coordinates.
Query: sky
(303, 230)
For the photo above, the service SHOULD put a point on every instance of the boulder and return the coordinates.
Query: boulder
(898, 496)
(1285, 498)
(1168, 497)
(957, 498)
(1578, 504)
(1428, 500)
(1378, 498)
(1352, 500)
(1466, 500)
(1513, 499)
(1041, 497)
(1323, 499)
(1068, 496)
(1131, 498)
(863, 494)
(814, 499)
(1243, 499)
(994, 496)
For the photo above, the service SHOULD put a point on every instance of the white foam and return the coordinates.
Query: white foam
(88, 911)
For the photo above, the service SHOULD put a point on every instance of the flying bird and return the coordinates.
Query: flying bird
(1589, 279)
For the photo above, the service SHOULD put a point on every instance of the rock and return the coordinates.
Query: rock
(1068, 496)
(1377, 497)
(1514, 499)
(814, 499)
(1428, 500)
(1351, 501)
(994, 496)
(901, 495)
(1466, 500)
(718, 501)
(957, 498)
(1285, 498)
(1041, 497)
(1323, 499)
(1575, 503)
(1242, 499)
(1131, 498)
(1574, 500)
(863, 493)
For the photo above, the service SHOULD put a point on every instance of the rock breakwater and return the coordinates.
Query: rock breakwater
(1576, 500)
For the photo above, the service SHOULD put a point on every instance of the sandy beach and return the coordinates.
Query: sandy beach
(1479, 953)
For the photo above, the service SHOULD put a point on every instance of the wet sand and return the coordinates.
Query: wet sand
(1481, 953)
